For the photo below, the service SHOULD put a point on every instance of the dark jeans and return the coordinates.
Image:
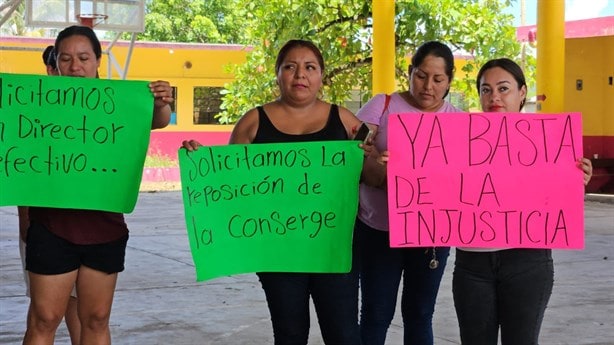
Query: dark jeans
(381, 268)
(335, 297)
(508, 289)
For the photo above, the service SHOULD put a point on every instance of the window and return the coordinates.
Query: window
(207, 101)
(174, 107)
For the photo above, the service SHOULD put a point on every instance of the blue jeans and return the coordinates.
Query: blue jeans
(335, 297)
(508, 289)
(381, 268)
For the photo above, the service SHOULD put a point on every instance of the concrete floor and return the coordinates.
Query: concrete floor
(158, 300)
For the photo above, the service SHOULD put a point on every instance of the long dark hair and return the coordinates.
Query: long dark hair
(436, 49)
(291, 44)
(49, 57)
(83, 31)
(509, 66)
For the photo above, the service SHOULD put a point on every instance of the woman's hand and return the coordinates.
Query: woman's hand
(162, 92)
(381, 158)
(587, 167)
(374, 169)
(163, 97)
(368, 147)
(191, 145)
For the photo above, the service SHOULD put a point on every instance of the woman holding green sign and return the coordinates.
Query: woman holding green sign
(503, 288)
(68, 247)
(71, 318)
(298, 115)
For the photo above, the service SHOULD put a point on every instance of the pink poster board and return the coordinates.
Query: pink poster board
(485, 180)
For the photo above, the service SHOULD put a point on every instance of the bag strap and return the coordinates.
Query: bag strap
(386, 104)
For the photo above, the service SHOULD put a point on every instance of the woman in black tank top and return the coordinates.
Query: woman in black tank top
(268, 133)
(299, 115)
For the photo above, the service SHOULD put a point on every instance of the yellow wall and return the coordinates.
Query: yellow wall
(209, 66)
(591, 60)
(159, 61)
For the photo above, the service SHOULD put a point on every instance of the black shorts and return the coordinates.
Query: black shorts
(47, 253)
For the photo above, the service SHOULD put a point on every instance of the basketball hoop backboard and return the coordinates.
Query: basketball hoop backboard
(110, 15)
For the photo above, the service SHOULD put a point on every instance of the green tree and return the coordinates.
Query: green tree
(343, 30)
(203, 21)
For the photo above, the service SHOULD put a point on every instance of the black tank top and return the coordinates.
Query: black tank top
(267, 133)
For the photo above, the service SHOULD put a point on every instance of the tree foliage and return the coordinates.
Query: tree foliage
(477, 29)
(200, 21)
(342, 29)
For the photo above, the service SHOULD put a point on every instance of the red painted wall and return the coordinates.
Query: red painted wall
(167, 143)
(603, 163)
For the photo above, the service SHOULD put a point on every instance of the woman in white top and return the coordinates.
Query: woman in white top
(496, 288)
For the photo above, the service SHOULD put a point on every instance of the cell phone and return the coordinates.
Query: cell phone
(364, 133)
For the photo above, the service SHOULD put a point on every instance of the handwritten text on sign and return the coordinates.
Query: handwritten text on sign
(72, 142)
(271, 207)
(485, 180)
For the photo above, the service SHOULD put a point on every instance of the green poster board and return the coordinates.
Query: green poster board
(286, 207)
(72, 142)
